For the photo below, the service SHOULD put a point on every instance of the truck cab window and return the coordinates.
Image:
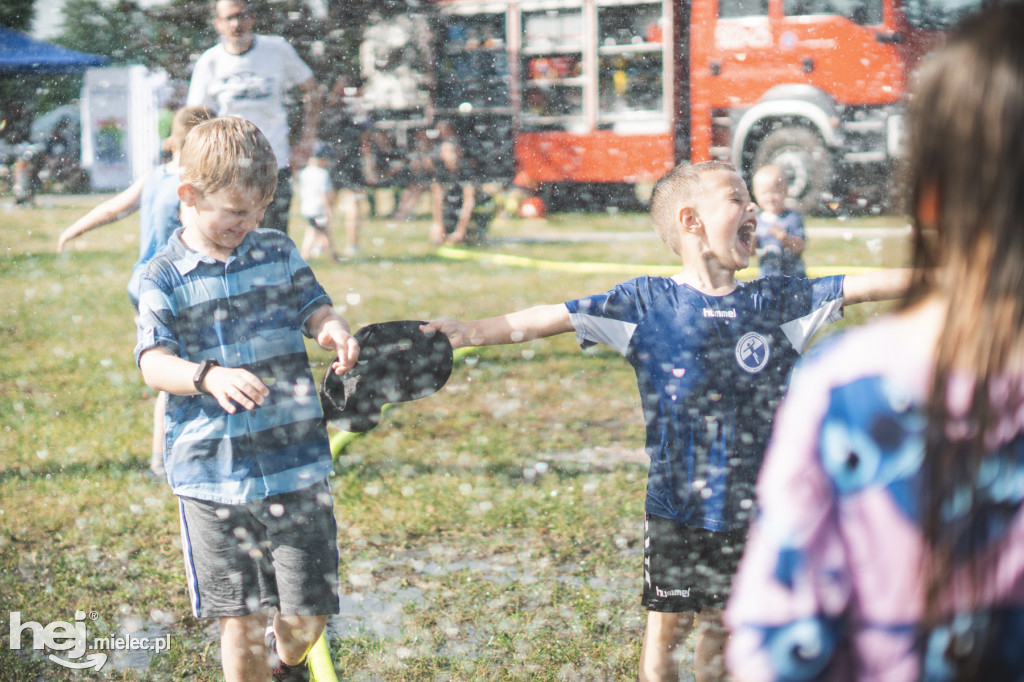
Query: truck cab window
(552, 70)
(863, 12)
(473, 64)
(735, 9)
(939, 15)
(630, 61)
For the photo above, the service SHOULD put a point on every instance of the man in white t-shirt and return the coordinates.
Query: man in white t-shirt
(248, 75)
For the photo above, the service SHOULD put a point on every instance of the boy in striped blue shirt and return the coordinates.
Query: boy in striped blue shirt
(222, 314)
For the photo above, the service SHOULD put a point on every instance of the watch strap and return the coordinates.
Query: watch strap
(200, 375)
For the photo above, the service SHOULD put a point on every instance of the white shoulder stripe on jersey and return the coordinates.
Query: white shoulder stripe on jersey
(800, 330)
(613, 333)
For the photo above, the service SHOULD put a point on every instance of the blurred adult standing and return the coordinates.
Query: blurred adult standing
(249, 75)
(345, 129)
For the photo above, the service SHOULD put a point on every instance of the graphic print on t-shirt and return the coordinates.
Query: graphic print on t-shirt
(246, 85)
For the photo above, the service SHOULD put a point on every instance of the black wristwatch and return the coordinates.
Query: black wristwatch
(204, 369)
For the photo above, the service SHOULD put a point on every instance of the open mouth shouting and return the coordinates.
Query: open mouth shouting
(746, 234)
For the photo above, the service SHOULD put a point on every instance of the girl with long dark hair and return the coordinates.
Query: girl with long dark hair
(890, 544)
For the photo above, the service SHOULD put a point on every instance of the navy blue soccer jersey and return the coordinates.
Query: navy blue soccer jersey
(711, 371)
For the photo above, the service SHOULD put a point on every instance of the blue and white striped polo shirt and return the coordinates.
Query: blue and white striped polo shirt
(249, 312)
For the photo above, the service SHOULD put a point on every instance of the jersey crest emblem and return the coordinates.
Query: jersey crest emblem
(752, 352)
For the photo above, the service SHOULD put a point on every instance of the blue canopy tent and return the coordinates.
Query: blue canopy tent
(21, 54)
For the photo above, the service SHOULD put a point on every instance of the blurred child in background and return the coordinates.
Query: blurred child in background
(155, 197)
(461, 210)
(315, 205)
(781, 239)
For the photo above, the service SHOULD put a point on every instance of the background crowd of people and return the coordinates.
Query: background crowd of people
(367, 164)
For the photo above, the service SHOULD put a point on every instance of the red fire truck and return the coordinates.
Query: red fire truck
(619, 91)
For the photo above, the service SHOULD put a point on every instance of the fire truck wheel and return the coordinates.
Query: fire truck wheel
(807, 162)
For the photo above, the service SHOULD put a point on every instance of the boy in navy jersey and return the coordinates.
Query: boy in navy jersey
(711, 356)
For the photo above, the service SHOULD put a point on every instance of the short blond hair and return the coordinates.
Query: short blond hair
(678, 188)
(228, 153)
(185, 119)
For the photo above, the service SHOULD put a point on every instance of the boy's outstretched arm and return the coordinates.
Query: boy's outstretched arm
(878, 285)
(524, 325)
(115, 208)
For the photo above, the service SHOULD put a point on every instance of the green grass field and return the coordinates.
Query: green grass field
(491, 531)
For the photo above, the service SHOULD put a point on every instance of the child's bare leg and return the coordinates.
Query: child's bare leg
(709, 654)
(243, 649)
(327, 242)
(353, 219)
(296, 635)
(307, 243)
(659, 655)
(408, 200)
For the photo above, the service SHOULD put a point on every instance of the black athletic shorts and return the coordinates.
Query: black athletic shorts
(280, 551)
(686, 569)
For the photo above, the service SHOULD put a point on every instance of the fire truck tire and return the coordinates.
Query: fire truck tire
(807, 161)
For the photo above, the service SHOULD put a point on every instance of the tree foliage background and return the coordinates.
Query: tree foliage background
(173, 36)
(17, 14)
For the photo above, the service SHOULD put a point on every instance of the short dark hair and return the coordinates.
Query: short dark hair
(213, 4)
(679, 187)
